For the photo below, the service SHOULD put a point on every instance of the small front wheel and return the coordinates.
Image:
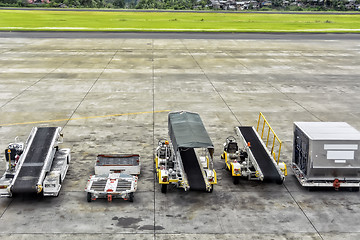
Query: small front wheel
(163, 188)
(280, 181)
(236, 180)
(88, 197)
(131, 197)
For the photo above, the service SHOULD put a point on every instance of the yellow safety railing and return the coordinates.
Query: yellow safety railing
(276, 157)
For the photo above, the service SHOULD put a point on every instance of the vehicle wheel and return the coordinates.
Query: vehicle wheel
(155, 168)
(131, 197)
(40, 195)
(211, 189)
(68, 160)
(88, 197)
(163, 188)
(311, 189)
(236, 180)
(60, 179)
(279, 181)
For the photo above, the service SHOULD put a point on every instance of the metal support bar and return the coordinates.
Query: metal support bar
(9, 151)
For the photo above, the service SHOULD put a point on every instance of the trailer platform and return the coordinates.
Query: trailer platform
(116, 176)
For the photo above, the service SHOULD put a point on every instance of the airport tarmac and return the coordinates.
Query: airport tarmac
(112, 95)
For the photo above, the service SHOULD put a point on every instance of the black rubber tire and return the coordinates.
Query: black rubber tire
(88, 197)
(211, 189)
(163, 188)
(280, 181)
(236, 180)
(311, 189)
(131, 197)
(60, 179)
(40, 195)
(68, 160)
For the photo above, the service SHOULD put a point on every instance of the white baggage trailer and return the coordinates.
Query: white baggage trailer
(115, 177)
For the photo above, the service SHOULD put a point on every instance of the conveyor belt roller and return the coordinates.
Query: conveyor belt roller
(261, 155)
(35, 161)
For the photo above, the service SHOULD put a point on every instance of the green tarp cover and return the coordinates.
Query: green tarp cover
(186, 130)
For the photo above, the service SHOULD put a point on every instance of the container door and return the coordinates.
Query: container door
(301, 150)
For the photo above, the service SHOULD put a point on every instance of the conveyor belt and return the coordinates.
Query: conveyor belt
(34, 161)
(261, 156)
(192, 170)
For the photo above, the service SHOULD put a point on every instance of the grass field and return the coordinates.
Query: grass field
(175, 21)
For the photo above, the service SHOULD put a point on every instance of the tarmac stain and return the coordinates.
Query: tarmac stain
(151, 227)
(127, 222)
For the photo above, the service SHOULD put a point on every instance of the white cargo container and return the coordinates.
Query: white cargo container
(326, 154)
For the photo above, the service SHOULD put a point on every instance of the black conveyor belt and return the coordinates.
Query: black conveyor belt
(261, 156)
(192, 170)
(34, 161)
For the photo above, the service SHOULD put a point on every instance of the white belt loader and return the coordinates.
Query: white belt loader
(116, 176)
(187, 161)
(249, 158)
(38, 166)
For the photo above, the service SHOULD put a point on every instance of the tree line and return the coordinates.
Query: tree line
(173, 4)
(128, 4)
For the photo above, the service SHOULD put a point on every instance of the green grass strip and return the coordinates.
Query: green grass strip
(174, 21)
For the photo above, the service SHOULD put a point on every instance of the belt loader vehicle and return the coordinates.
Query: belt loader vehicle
(38, 166)
(187, 161)
(326, 154)
(116, 176)
(250, 158)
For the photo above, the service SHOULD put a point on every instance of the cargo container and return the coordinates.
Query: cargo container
(326, 154)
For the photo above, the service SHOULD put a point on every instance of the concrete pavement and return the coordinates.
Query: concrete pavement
(110, 88)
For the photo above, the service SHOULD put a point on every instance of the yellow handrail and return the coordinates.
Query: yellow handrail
(268, 136)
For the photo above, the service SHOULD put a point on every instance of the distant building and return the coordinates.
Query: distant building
(38, 1)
